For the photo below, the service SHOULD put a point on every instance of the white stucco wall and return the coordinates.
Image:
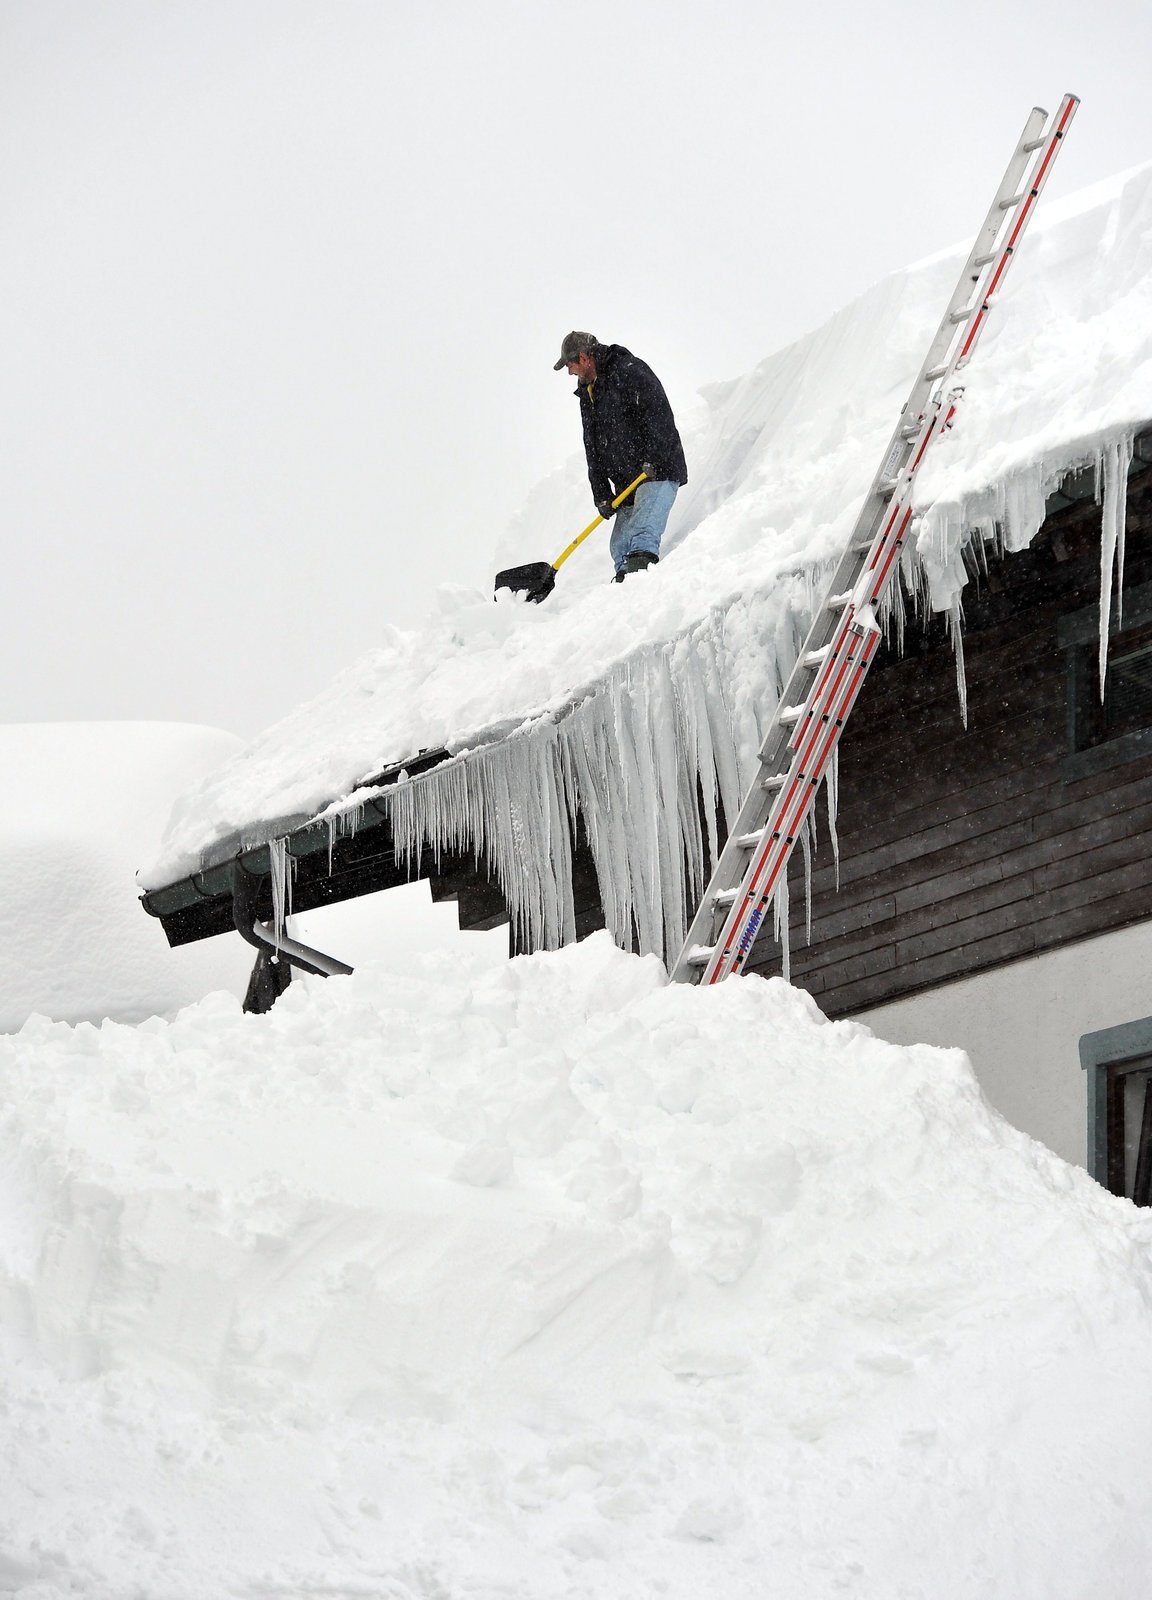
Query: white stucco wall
(1021, 1026)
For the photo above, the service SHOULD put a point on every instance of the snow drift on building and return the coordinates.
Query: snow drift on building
(641, 706)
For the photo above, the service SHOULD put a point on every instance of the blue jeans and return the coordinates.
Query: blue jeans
(639, 524)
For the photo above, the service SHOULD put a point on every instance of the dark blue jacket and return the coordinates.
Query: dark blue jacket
(628, 424)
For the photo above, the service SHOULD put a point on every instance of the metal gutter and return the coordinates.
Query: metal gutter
(203, 899)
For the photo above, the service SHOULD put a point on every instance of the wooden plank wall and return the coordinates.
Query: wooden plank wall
(962, 849)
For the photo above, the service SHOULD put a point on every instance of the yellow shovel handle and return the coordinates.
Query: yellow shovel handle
(592, 526)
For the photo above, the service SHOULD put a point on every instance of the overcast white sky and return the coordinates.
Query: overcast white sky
(282, 281)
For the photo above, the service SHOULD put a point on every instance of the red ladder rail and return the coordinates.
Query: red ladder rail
(842, 641)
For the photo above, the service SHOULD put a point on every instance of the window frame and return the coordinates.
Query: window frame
(1106, 1057)
(1078, 636)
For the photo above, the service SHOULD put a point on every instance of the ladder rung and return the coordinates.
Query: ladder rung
(962, 316)
(1035, 144)
(935, 372)
(725, 897)
(776, 781)
(1008, 205)
(911, 429)
(817, 658)
(982, 261)
(887, 485)
(835, 601)
(698, 955)
(790, 713)
(749, 841)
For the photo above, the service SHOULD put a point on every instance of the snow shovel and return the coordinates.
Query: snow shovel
(537, 579)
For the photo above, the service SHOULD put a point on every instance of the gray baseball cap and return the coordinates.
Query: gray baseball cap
(573, 344)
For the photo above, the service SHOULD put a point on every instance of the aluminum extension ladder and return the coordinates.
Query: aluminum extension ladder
(842, 641)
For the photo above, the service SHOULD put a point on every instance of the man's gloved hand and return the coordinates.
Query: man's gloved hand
(606, 509)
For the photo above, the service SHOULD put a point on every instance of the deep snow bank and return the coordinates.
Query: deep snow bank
(551, 1280)
(80, 806)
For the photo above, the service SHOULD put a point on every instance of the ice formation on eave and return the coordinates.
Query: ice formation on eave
(640, 706)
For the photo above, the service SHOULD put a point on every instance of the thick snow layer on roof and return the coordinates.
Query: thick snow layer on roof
(551, 1281)
(673, 673)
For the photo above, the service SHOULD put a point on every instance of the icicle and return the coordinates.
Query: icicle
(956, 632)
(645, 759)
(832, 796)
(807, 841)
(281, 867)
(892, 613)
(780, 916)
(350, 818)
(1112, 466)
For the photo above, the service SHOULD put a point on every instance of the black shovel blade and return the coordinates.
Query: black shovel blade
(535, 580)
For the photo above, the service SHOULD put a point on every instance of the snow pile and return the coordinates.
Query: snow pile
(80, 807)
(656, 688)
(550, 1280)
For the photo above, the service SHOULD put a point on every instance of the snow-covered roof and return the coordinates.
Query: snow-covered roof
(627, 702)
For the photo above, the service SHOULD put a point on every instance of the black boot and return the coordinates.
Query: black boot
(638, 560)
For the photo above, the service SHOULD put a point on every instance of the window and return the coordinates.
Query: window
(1129, 1130)
(1128, 688)
(1120, 724)
(1127, 703)
(1118, 1062)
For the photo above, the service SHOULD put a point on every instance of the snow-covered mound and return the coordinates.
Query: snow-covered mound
(550, 1280)
(644, 689)
(80, 807)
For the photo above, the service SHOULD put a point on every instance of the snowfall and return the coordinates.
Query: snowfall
(470, 1279)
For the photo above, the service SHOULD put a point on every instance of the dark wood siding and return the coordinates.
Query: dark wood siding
(964, 848)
